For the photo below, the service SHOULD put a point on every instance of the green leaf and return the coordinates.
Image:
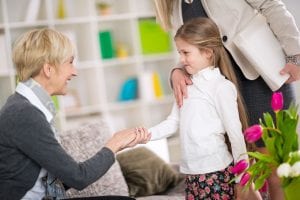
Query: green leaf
(278, 143)
(270, 145)
(259, 182)
(268, 120)
(289, 135)
(262, 157)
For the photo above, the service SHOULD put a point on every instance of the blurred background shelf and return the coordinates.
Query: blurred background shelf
(110, 52)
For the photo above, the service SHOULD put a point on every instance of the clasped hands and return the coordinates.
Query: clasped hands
(128, 138)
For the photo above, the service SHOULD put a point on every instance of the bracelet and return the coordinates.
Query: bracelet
(295, 59)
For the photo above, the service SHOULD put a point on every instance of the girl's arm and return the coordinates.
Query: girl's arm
(227, 108)
(167, 127)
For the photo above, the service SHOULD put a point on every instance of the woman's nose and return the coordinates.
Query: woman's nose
(74, 71)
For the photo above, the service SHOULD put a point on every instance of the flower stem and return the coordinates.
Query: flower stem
(273, 129)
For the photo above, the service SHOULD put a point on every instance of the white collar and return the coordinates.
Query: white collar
(25, 91)
(207, 73)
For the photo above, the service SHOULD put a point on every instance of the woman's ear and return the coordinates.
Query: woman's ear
(47, 69)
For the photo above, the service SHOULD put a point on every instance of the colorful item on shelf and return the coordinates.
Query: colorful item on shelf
(129, 90)
(153, 38)
(106, 44)
(103, 8)
(122, 51)
(157, 86)
(61, 10)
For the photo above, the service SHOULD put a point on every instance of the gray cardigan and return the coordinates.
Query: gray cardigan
(27, 143)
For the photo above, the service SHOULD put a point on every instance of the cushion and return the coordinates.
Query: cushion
(82, 143)
(146, 173)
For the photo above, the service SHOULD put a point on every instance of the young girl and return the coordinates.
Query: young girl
(212, 109)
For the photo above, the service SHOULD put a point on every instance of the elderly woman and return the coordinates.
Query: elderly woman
(33, 164)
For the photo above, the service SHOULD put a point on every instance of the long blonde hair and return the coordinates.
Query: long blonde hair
(204, 33)
(164, 9)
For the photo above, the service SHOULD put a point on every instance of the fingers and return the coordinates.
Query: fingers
(178, 95)
(290, 80)
(183, 87)
(188, 80)
(142, 135)
(293, 70)
(128, 138)
(180, 80)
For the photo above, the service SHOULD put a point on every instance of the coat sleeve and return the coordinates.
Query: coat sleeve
(281, 22)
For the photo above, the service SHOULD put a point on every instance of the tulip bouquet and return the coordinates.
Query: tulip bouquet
(279, 134)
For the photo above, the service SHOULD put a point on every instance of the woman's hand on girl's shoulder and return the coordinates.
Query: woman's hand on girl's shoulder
(180, 79)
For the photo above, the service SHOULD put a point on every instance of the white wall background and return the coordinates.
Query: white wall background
(293, 6)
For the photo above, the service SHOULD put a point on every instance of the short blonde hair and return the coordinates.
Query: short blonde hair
(37, 47)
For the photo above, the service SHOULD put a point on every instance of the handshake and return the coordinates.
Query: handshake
(128, 138)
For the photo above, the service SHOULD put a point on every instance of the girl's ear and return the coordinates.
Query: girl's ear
(209, 53)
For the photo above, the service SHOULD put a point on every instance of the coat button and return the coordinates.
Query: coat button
(224, 38)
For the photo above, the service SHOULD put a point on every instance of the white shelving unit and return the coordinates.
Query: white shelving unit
(94, 92)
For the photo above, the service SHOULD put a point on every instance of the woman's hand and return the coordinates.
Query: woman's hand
(293, 70)
(142, 137)
(128, 138)
(240, 193)
(180, 79)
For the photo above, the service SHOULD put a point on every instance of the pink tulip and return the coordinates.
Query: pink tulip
(265, 187)
(277, 101)
(253, 133)
(240, 167)
(245, 178)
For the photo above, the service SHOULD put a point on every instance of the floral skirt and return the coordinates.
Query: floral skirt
(213, 185)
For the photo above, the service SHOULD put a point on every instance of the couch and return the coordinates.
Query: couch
(138, 172)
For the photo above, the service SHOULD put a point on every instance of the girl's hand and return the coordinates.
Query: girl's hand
(180, 79)
(142, 136)
(128, 138)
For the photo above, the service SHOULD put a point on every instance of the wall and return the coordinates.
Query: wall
(294, 6)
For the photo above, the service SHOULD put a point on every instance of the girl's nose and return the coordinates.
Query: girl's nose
(182, 59)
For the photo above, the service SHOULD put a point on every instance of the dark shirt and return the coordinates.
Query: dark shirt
(192, 10)
(27, 143)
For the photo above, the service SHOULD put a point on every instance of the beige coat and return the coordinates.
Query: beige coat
(232, 16)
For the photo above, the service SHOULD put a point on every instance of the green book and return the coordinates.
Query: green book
(106, 44)
(153, 38)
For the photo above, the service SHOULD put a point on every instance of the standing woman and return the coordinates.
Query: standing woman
(230, 16)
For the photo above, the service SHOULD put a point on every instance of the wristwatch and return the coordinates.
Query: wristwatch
(295, 59)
